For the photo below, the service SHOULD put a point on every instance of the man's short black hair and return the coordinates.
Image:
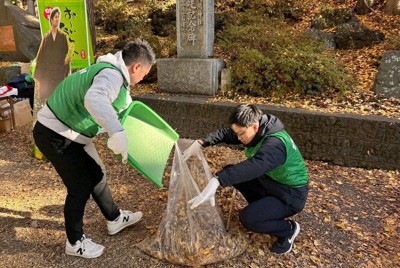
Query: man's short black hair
(245, 115)
(138, 50)
(54, 11)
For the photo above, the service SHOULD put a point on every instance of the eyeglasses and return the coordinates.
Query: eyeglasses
(242, 132)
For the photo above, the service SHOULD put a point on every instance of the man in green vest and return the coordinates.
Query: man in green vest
(82, 105)
(273, 179)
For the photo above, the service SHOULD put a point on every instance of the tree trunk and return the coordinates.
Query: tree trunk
(31, 7)
(392, 7)
(91, 19)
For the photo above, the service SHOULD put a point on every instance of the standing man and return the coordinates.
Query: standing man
(80, 107)
(53, 57)
(273, 179)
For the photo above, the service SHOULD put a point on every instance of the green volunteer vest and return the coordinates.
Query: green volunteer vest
(67, 100)
(293, 172)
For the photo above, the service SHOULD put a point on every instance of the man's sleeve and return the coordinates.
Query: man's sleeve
(271, 154)
(222, 135)
(100, 96)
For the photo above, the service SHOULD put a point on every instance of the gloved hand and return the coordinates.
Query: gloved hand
(208, 194)
(195, 147)
(118, 143)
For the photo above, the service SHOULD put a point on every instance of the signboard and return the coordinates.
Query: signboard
(74, 23)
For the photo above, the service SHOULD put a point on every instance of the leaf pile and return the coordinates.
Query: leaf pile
(192, 236)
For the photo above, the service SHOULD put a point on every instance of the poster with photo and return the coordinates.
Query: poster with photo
(73, 21)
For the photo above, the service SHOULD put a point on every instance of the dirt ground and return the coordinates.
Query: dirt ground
(352, 217)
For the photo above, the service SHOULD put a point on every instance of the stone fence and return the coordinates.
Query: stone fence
(341, 139)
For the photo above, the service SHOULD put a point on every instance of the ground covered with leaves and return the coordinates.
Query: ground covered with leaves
(351, 218)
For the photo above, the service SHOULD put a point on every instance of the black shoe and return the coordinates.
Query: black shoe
(285, 244)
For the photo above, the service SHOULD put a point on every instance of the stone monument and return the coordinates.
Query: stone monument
(387, 81)
(194, 71)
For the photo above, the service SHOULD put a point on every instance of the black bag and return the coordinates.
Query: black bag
(25, 85)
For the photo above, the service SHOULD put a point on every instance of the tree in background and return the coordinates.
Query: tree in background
(92, 25)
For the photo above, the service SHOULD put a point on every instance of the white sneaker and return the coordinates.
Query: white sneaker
(125, 219)
(85, 248)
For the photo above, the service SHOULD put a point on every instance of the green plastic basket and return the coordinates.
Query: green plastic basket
(150, 140)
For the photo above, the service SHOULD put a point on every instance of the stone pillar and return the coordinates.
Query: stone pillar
(195, 28)
(194, 71)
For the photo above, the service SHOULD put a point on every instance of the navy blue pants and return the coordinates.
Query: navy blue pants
(81, 175)
(270, 203)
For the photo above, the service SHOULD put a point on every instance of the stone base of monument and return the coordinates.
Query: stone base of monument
(189, 76)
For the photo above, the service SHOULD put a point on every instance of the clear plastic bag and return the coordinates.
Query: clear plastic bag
(192, 236)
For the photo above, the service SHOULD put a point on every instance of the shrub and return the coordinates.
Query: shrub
(162, 16)
(112, 15)
(163, 20)
(268, 58)
(289, 9)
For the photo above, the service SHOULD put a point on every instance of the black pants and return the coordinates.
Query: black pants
(270, 203)
(82, 176)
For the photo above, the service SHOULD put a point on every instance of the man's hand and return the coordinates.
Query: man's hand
(118, 143)
(195, 147)
(208, 194)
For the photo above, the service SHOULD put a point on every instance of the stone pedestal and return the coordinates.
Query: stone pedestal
(191, 76)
